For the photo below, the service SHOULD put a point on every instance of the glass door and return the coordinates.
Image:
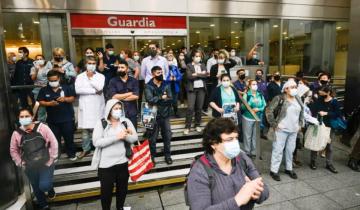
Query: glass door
(119, 43)
(142, 43)
(83, 42)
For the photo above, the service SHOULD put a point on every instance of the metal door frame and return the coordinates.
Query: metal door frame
(131, 38)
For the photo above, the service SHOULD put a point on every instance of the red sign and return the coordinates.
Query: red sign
(126, 21)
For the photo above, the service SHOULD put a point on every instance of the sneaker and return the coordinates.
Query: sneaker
(198, 129)
(331, 168)
(275, 176)
(292, 174)
(353, 165)
(45, 208)
(153, 160)
(73, 158)
(297, 164)
(313, 165)
(83, 154)
(51, 194)
(168, 160)
(186, 131)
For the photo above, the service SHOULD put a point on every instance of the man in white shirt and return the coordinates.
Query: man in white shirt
(213, 60)
(154, 59)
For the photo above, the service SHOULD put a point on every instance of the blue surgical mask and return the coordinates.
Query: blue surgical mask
(25, 121)
(116, 114)
(231, 149)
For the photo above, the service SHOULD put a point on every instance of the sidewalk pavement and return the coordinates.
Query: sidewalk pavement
(314, 190)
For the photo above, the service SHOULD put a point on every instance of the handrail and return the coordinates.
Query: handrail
(21, 87)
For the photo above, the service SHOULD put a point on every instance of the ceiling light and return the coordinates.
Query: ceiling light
(179, 40)
(233, 32)
(237, 43)
(338, 28)
(284, 33)
(198, 43)
(173, 44)
(218, 37)
(236, 37)
(212, 25)
(4, 31)
(24, 40)
(236, 22)
(275, 26)
(149, 41)
(198, 32)
(36, 22)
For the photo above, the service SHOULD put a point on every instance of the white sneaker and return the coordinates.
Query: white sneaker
(186, 131)
(74, 158)
(198, 129)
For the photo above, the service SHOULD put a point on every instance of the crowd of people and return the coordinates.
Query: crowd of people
(110, 88)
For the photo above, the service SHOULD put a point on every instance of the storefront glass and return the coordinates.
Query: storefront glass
(342, 45)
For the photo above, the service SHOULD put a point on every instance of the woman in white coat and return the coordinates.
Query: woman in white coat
(89, 86)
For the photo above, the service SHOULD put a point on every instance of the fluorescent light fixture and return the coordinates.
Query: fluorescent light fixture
(212, 25)
(233, 32)
(275, 26)
(198, 32)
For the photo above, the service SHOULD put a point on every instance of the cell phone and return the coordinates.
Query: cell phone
(125, 124)
(100, 49)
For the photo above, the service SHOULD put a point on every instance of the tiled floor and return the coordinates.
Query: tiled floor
(314, 190)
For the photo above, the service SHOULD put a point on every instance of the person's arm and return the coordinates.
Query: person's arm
(15, 149)
(150, 97)
(135, 91)
(178, 75)
(335, 110)
(98, 83)
(208, 65)
(231, 64)
(101, 65)
(183, 64)
(263, 103)
(52, 143)
(250, 54)
(98, 138)
(70, 70)
(69, 95)
(136, 71)
(132, 136)
(33, 73)
(143, 69)
(80, 88)
(189, 74)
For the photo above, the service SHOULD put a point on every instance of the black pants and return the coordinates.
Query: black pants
(119, 175)
(133, 120)
(355, 154)
(141, 91)
(65, 130)
(162, 124)
(208, 92)
(23, 96)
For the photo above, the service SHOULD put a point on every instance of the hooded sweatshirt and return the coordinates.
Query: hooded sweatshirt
(110, 150)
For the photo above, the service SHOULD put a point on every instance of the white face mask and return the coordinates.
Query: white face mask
(116, 114)
(91, 67)
(111, 52)
(255, 56)
(254, 87)
(122, 56)
(293, 92)
(89, 54)
(40, 62)
(197, 59)
(136, 57)
(232, 53)
(181, 57)
(231, 149)
(221, 61)
(54, 84)
(21, 55)
(25, 121)
(225, 84)
(13, 58)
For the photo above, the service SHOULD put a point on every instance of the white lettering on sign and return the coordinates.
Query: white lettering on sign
(143, 23)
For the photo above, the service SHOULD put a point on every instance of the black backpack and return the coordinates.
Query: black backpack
(34, 151)
(210, 172)
(128, 151)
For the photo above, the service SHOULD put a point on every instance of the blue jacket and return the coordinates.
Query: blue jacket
(174, 70)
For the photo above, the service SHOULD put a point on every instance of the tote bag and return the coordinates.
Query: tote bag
(140, 163)
(317, 137)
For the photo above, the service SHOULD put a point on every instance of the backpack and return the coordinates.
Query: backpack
(34, 151)
(276, 112)
(128, 151)
(210, 172)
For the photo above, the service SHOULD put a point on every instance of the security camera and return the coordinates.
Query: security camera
(132, 31)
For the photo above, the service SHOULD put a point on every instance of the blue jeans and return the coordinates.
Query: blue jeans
(86, 139)
(41, 181)
(283, 140)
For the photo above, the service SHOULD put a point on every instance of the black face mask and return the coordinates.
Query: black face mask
(159, 78)
(323, 82)
(277, 77)
(58, 59)
(153, 53)
(258, 77)
(242, 77)
(121, 73)
(322, 98)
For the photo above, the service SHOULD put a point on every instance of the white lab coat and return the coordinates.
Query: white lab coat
(91, 104)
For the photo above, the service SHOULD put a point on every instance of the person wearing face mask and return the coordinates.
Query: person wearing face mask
(223, 66)
(154, 59)
(187, 55)
(89, 52)
(285, 127)
(212, 60)
(257, 103)
(262, 84)
(182, 67)
(235, 58)
(65, 68)
(89, 86)
(253, 57)
(224, 160)
(39, 76)
(40, 176)
(171, 58)
(326, 108)
(58, 99)
(223, 94)
(125, 89)
(323, 80)
(11, 63)
(134, 67)
(109, 60)
(196, 90)
(240, 84)
(275, 86)
(22, 77)
(158, 93)
(109, 137)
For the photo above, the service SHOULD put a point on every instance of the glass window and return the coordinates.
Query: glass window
(208, 33)
(274, 45)
(342, 43)
(174, 42)
(83, 42)
(22, 30)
